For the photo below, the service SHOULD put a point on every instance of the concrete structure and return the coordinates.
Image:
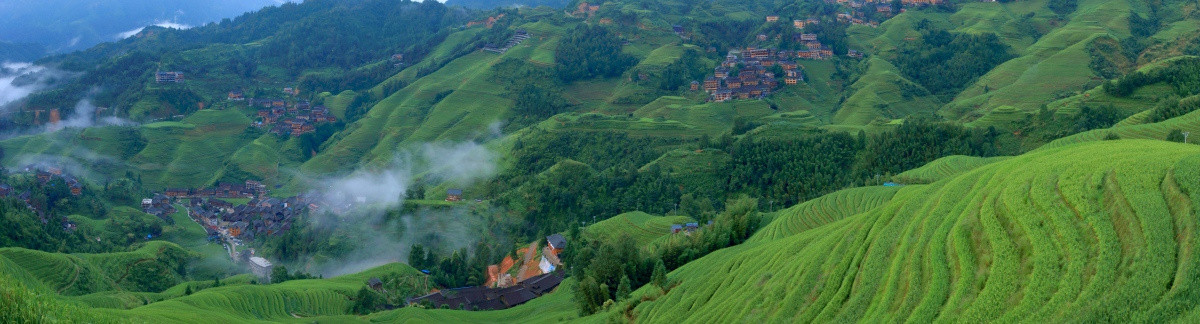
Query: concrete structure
(261, 267)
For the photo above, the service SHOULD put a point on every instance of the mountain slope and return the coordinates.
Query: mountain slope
(1055, 235)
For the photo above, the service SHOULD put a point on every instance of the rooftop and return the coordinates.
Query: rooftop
(260, 262)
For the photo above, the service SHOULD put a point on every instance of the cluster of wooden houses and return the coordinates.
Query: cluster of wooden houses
(283, 118)
(159, 205)
(687, 228)
(746, 74)
(248, 189)
(44, 175)
(259, 216)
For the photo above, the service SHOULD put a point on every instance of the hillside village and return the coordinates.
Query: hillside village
(261, 215)
(45, 176)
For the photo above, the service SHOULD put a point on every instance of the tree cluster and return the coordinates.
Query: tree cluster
(1183, 75)
(946, 62)
(589, 52)
(608, 271)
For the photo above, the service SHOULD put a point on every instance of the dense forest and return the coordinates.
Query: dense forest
(946, 62)
(589, 52)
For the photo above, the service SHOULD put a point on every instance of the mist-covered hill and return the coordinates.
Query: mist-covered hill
(68, 25)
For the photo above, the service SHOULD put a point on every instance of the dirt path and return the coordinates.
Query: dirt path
(73, 280)
(528, 267)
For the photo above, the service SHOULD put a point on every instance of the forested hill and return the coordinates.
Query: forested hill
(491, 4)
(63, 26)
(290, 42)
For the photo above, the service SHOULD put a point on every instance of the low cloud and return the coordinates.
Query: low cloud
(360, 203)
(18, 80)
(84, 116)
(163, 24)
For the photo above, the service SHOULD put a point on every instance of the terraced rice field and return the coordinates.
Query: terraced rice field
(642, 227)
(943, 168)
(824, 210)
(1057, 235)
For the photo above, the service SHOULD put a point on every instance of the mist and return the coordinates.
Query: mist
(163, 24)
(84, 116)
(365, 203)
(18, 80)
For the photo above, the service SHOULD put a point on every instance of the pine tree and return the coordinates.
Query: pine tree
(188, 291)
(659, 276)
(624, 289)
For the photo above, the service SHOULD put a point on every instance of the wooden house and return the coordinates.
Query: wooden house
(711, 84)
(454, 195)
(556, 242)
(722, 95)
(772, 18)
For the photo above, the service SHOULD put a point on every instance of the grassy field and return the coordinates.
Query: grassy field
(1059, 234)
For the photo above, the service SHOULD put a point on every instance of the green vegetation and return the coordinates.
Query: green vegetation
(1048, 236)
(948, 62)
(892, 186)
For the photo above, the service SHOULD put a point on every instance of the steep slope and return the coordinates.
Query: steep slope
(1060, 234)
(1056, 64)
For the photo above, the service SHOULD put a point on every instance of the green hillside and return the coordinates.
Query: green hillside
(1060, 234)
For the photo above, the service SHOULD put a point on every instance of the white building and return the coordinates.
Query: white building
(546, 266)
(261, 267)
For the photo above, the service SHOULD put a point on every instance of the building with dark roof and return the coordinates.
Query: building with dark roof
(556, 241)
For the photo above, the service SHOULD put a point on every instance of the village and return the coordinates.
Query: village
(285, 117)
(280, 116)
(45, 175)
(744, 74)
(232, 224)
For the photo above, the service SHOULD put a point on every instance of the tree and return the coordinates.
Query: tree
(1175, 136)
(624, 288)
(188, 291)
(659, 276)
(280, 274)
(591, 51)
(366, 301)
(416, 257)
(590, 296)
